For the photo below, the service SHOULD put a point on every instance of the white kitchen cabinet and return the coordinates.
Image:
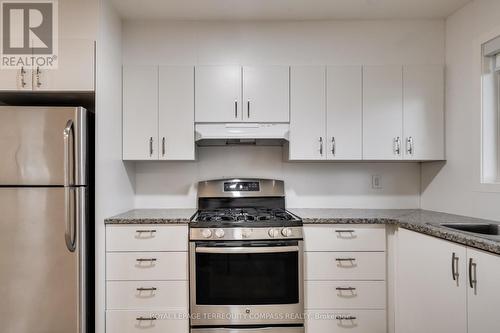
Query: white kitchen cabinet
(176, 113)
(382, 112)
(266, 94)
(75, 69)
(347, 320)
(147, 287)
(483, 291)
(423, 116)
(140, 113)
(15, 79)
(430, 280)
(344, 237)
(307, 113)
(218, 94)
(344, 112)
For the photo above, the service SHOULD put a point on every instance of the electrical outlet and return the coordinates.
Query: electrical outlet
(377, 182)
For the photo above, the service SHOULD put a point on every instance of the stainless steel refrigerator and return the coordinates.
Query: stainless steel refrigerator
(43, 217)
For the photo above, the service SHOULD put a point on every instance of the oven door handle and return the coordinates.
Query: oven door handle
(247, 249)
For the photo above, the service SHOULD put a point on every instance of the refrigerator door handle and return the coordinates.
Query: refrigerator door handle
(70, 213)
(68, 153)
(69, 193)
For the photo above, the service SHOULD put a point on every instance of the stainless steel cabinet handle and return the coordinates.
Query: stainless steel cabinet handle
(344, 231)
(145, 318)
(248, 108)
(146, 259)
(409, 145)
(150, 146)
(147, 289)
(236, 109)
(69, 192)
(454, 262)
(321, 146)
(37, 77)
(345, 259)
(397, 146)
(23, 80)
(345, 289)
(163, 146)
(145, 231)
(472, 274)
(345, 318)
(333, 146)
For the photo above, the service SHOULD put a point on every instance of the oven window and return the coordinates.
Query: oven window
(247, 279)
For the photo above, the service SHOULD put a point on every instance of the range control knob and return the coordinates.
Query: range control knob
(246, 233)
(287, 232)
(219, 233)
(273, 233)
(206, 233)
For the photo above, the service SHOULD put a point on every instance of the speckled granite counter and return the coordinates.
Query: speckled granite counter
(423, 221)
(153, 216)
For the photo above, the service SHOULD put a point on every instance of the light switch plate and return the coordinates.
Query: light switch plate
(377, 182)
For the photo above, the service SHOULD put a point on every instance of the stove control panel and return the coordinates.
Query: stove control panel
(245, 233)
(252, 186)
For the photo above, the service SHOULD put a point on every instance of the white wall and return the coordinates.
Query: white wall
(455, 187)
(172, 184)
(114, 179)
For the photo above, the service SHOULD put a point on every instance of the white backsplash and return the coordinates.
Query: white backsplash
(319, 184)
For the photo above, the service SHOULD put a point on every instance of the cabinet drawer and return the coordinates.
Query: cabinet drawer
(146, 237)
(128, 295)
(344, 237)
(147, 266)
(345, 265)
(128, 321)
(345, 295)
(363, 321)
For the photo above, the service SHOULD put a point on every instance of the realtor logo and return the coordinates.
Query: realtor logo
(29, 34)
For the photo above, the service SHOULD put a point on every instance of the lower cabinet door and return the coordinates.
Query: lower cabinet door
(345, 265)
(352, 321)
(483, 296)
(430, 285)
(125, 266)
(157, 321)
(345, 295)
(129, 295)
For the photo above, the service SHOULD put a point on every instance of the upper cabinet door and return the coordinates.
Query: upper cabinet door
(308, 113)
(176, 113)
(218, 94)
(423, 112)
(140, 112)
(382, 112)
(483, 296)
(266, 94)
(75, 69)
(344, 112)
(15, 79)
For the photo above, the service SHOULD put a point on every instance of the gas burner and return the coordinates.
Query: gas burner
(236, 215)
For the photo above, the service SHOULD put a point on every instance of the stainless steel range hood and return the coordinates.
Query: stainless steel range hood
(263, 134)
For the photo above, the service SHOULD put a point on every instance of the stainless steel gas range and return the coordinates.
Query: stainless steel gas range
(246, 259)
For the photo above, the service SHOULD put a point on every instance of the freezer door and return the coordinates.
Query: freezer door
(41, 280)
(43, 145)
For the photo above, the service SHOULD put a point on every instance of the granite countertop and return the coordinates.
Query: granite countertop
(153, 216)
(422, 221)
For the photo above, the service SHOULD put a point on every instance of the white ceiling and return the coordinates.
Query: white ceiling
(236, 10)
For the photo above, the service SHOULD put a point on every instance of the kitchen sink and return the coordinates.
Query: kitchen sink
(476, 228)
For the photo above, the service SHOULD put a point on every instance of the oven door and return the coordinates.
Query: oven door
(246, 283)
